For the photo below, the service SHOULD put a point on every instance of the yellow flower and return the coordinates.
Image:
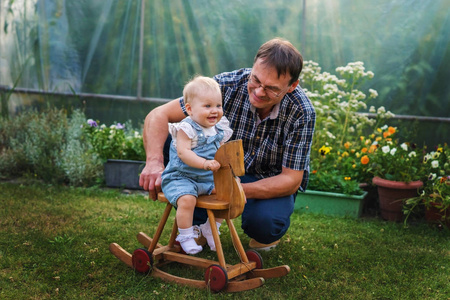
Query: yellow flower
(347, 178)
(324, 150)
(347, 145)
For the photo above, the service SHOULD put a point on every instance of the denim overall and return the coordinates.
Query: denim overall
(179, 179)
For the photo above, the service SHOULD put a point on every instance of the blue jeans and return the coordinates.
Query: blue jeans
(265, 220)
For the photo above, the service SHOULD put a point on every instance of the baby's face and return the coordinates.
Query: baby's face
(206, 109)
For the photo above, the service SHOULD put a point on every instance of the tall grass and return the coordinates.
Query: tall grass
(54, 244)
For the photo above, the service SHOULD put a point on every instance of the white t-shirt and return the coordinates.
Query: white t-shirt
(192, 133)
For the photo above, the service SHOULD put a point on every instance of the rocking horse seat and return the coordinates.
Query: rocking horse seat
(204, 201)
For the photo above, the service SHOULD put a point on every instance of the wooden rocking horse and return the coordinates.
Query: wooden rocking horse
(228, 203)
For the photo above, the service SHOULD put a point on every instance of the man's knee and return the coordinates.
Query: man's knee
(265, 228)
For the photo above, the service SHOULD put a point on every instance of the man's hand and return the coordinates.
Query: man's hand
(154, 135)
(150, 179)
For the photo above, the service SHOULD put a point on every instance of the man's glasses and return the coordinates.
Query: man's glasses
(275, 92)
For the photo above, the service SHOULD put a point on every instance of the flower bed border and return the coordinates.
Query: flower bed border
(330, 203)
(123, 173)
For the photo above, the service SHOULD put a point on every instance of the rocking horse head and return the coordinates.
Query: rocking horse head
(227, 184)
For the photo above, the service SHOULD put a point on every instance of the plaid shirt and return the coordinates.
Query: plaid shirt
(282, 139)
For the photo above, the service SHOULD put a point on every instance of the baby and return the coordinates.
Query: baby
(189, 172)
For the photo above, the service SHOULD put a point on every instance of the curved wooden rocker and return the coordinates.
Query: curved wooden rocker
(228, 203)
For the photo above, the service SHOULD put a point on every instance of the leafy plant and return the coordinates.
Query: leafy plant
(31, 144)
(118, 141)
(337, 146)
(332, 172)
(395, 160)
(80, 165)
(49, 146)
(436, 189)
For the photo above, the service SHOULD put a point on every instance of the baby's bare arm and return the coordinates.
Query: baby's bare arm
(189, 157)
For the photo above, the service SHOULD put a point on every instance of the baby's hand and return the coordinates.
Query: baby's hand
(211, 165)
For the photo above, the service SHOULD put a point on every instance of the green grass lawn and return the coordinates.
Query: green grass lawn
(54, 244)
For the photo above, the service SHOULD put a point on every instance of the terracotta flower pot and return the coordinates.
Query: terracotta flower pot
(391, 195)
(437, 216)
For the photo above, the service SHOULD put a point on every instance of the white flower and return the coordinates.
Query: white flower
(393, 150)
(389, 115)
(426, 157)
(381, 110)
(435, 154)
(404, 146)
(412, 154)
(385, 149)
(384, 127)
(435, 164)
(372, 109)
(330, 135)
(373, 93)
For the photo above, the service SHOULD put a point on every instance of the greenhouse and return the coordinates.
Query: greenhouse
(79, 81)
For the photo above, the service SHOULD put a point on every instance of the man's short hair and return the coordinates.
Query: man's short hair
(282, 55)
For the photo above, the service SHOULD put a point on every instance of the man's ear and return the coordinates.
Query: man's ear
(293, 86)
(188, 108)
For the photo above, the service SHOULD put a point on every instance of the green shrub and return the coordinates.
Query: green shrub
(31, 144)
(81, 166)
(49, 146)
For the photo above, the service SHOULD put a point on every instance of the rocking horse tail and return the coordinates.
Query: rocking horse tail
(237, 200)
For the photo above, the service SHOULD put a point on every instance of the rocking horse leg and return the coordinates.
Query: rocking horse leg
(160, 228)
(237, 241)
(173, 235)
(215, 233)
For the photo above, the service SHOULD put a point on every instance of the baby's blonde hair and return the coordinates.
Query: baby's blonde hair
(197, 86)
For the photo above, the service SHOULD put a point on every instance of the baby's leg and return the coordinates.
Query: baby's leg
(185, 212)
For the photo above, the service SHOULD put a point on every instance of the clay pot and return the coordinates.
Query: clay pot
(391, 195)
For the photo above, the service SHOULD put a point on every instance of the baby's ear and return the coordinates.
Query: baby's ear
(188, 108)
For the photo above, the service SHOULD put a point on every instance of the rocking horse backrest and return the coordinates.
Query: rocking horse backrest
(228, 188)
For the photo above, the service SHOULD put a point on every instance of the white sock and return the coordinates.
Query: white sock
(187, 242)
(207, 233)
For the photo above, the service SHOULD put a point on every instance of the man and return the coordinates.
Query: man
(269, 111)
